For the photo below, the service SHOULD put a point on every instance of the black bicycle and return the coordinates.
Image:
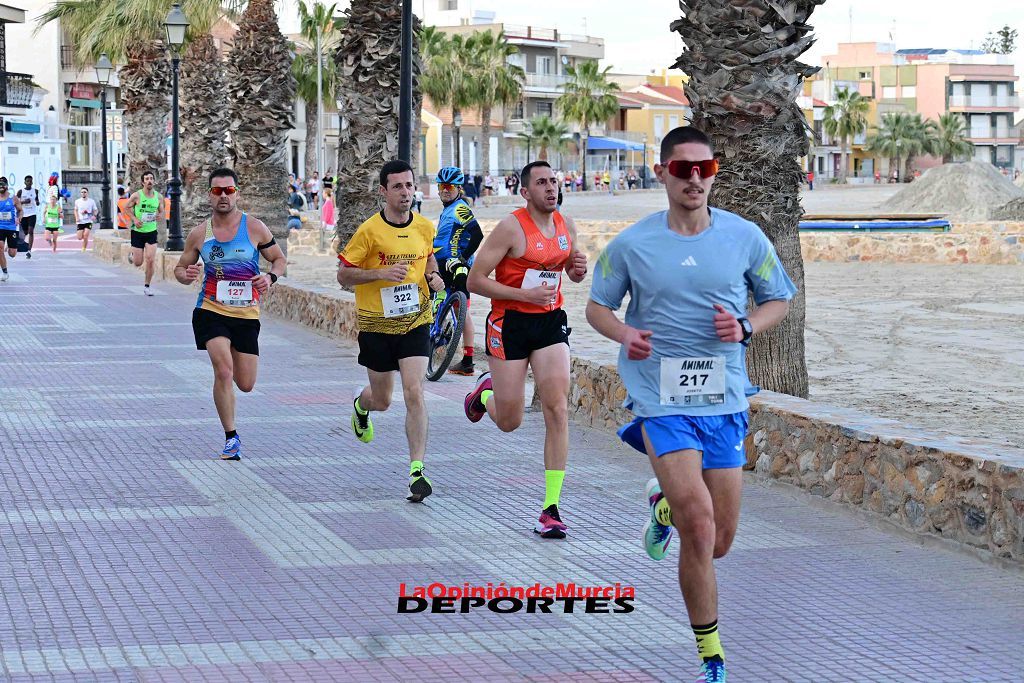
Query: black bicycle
(446, 333)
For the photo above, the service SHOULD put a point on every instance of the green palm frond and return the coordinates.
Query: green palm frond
(589, 97)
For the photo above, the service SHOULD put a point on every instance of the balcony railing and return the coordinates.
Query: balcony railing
(983, 101)
(991, 133)
(15, 90)
(545, 80)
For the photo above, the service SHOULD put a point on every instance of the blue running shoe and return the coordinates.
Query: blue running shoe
(712, 671)
(656, 535)
(232, 449)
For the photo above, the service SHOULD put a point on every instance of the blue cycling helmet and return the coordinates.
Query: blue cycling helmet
(451, 175)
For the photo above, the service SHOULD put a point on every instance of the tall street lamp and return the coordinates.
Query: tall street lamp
(405, 101)
(104, 68)
(176, 25)
(456, 124)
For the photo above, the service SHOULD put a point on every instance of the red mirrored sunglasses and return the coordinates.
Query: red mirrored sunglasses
(218, 191)
(684, 169)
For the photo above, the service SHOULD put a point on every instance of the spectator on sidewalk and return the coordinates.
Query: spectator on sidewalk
(327, 210)
(810, 180)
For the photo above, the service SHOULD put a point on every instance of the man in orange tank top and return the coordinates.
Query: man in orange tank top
(527, 328)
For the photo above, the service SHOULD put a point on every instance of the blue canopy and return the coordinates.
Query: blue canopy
(596, 144)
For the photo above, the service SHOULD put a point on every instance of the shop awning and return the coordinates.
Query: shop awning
(610, 144)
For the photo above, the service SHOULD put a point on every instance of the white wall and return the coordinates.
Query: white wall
(39, 54)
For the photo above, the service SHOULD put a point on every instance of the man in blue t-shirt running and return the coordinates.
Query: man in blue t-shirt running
(688, 272)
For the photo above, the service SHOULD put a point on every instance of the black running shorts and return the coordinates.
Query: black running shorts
(141, 239)
(514, 336)
(9, 236)
(381, 352)
(28, 223)
(244, 333)
(84, 226)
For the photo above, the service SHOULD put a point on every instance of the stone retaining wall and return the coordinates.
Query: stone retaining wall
(970, 491)
(991, 243)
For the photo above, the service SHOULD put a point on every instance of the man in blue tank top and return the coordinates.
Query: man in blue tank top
(10, 219)
(226, 318)
(688, 272)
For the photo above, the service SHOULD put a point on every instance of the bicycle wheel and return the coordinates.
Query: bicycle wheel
(445, 335)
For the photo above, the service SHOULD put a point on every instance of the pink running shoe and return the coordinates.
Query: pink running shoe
(550, 524)
(475, 410)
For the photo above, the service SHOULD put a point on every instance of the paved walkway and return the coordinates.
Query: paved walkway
(128, 552)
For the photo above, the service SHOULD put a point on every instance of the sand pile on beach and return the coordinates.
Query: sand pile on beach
(969, 191)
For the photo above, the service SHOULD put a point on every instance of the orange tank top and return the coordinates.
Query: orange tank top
(542, 262)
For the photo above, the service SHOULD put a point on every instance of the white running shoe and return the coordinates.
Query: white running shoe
(148, 291)
(3, 277)
(131, 259)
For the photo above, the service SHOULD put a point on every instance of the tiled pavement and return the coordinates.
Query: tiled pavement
(128, 552)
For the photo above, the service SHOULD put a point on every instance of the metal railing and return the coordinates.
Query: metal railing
(545, 80)
(16, 89)
(984, 101)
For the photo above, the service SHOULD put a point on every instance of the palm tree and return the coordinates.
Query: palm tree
(744, 78)
(547, 134)
(951, 137)
(260, 94)
(448, 74)
(588, 98)
(846, 119)
(204, 128)
(131, 32)
(316, 24)
(900, 136)
(497, 83)
(369, 71)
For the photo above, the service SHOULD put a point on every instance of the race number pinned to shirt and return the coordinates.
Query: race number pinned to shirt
(147, 217)
(535, 278)
(6, 215)
(693, 381)
(400, 300)
(234, 292)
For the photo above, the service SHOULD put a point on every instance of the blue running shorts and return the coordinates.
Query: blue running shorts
(718, 437)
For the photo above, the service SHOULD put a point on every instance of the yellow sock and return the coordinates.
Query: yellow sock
(708, 645)
(552, 487)
(485, 396)
(663, 513)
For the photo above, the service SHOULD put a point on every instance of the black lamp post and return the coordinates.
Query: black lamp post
(405, 87)
(176, 25)
(103, 70)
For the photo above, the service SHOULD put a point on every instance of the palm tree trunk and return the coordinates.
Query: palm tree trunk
(312, 134)
(843, 162)
(145, 95)
(203, 125)
(261, 92)
(749, 110)
(485, 139)
(369, 71)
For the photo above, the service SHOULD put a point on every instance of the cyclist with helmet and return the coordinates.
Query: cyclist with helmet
(458, 236)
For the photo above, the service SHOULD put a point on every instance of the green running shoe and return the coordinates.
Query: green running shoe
(656, 535)
(419, 487)
(362, 425)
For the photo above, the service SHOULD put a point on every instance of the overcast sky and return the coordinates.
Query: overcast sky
(637, 38)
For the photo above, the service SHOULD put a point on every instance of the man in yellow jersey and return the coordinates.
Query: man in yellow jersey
(390, 262)
(143, 208)
(527, 329)
(226, 319)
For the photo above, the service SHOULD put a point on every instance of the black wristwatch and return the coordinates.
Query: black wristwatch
(748, 330)
(273, 278)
